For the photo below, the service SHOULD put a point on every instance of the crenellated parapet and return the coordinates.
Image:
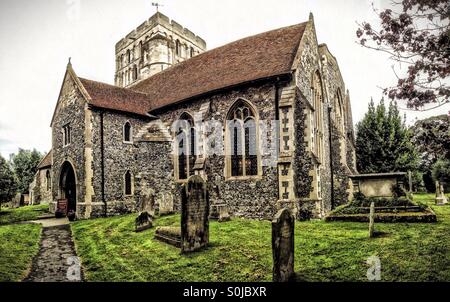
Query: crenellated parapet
(154, 46)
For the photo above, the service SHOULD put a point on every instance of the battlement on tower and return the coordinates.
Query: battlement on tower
(163, 20)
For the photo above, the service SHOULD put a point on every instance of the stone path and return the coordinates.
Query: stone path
(56, 260)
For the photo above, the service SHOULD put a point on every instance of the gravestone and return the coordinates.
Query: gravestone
(166, 204)
(283, 246)
(148, 202)
(372, 220)
(219, 212)
(194, 215)
(441, 199)
(144, 221)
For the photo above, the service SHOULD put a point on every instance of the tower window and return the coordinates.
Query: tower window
(127, 132)
(186, 144)
(67, 139)
(48, 179)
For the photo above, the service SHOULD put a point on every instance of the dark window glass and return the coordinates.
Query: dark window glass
(128, 183)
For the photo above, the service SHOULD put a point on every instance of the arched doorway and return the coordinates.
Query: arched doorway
(67, 186)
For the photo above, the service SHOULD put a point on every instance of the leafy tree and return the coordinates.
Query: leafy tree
(414, 33)
(441, 171)
(8, 183)
(383, 142)
(25, 164)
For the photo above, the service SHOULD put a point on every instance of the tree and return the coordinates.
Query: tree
(415, 33)
(25, 164)
(432, 140)
(441, 171)
(383, 142)
(8, 183)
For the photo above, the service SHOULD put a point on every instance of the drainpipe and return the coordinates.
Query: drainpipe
(331, 155)
(102, 155)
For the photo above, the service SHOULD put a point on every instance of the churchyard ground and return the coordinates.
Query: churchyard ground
(18, 245)
(11, 215)
(240, 250)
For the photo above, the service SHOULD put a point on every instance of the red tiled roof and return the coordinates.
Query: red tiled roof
(46, 161)
(257, 57)
(252, 58)
(116, 98)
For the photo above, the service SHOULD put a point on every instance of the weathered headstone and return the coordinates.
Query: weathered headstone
(441, 199)
(148, 202)
(372, 220)
(144, 221)
(194, 215)
(219, 212)
(166, 204)
(283, 246)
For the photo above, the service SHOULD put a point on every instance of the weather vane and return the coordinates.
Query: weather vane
(157, 5)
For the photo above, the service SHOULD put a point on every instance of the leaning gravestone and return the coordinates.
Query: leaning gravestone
(372, 220)
(283, 246)
(148, 202)
(166, 204)
(194, 215)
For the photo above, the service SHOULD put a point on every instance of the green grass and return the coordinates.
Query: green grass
(26, 213)
(240, 250)
(18, 245)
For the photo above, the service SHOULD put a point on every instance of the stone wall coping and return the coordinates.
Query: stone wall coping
(379, 175)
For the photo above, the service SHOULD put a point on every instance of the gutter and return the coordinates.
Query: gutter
(331, 156)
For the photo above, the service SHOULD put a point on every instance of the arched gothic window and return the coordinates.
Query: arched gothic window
(242, 140)
(127, 132)
(128, 183)
(185, 147)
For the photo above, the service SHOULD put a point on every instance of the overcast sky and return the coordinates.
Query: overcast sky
(37, 37)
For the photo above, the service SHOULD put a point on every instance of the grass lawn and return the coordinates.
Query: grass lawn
(18, 245)
(8, 216)
(240, 250)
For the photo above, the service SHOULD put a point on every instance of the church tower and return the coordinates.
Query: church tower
(155, 45)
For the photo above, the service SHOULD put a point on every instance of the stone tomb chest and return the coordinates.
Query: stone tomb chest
(378, 185)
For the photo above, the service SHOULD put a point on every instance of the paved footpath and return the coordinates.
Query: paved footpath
(56, 260)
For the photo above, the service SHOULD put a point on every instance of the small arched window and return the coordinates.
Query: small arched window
(128, 183)
(177, 48)
(192, 52)
(242, 140)
(127, 132)
(48, 179)
(317, 117)
(185, 146)
(128, 56)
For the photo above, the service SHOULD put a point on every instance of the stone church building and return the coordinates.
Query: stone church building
(178, 110)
